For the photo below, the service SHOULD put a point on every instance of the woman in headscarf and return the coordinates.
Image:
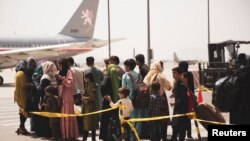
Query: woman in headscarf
(115, 80)
(155, 74)
(69, 128)
(31, 65)
(49, 72)
(34, 97)
(21, 91)
(48, 78)
(24, 72)
(109, 87)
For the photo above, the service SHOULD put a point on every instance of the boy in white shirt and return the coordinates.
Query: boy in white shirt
(127, 107)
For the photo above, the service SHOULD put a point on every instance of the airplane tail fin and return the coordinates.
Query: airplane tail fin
(176, 57)
(82, 23)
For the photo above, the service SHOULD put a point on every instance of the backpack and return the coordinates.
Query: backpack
(140, 94)
(191, 101)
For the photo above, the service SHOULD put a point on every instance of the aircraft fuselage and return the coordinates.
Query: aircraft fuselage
(11, 43)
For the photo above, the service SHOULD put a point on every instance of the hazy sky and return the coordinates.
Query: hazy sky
(176, 25)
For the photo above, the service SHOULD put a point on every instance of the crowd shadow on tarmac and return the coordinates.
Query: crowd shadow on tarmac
(8, 85)
(35, 137)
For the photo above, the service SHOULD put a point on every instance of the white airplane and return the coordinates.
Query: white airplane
(76, 37)
(190, 62)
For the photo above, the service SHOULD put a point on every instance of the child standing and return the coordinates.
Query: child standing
(126, 110)
(52, 106)
(90, 122)
(155, 108)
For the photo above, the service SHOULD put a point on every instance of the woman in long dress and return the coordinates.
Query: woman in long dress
(69, 129)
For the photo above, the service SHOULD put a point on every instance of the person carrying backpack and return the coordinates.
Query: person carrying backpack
(128, 81)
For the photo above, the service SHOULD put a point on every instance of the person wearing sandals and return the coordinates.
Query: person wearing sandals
(21, 90)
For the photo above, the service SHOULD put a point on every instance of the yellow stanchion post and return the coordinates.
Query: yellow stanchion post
(122, 121)
(197, 126)
(133, 130)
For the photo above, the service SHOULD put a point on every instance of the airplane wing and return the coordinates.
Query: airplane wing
(11, 57)
(99, 43)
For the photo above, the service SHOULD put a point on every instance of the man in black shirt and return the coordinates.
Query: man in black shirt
(143, 68)
(184, 66)
(179, 124)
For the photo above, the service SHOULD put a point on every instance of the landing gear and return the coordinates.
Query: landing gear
(1, 80)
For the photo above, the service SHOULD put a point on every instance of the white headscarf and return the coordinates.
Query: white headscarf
(155, 69)
(155, 72)
(49, 71)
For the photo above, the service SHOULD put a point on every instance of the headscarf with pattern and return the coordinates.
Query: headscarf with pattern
(49, 71)
(155, 74)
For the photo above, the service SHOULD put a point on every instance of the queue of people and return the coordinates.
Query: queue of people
(52, 86)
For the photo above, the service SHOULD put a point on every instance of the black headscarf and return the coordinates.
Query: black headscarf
(21, 66)
(65, 67)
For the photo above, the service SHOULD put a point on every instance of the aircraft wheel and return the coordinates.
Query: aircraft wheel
(1, 80)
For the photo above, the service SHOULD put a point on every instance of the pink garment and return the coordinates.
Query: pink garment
(69, 128)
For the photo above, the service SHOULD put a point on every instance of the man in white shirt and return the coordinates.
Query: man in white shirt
(78, 77)
(78, 84)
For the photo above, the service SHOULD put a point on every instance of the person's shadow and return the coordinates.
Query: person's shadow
(8, 85)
